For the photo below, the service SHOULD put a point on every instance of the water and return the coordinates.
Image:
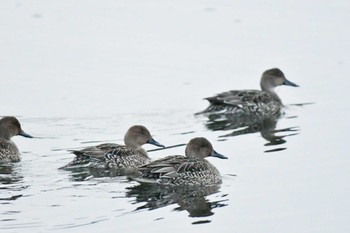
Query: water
(80, 73)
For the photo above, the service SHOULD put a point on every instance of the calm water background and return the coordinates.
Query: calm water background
(79, 73)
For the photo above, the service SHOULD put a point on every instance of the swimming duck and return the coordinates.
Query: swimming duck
(191, 169)
(251, 102)
(111, 155)
(9, 127)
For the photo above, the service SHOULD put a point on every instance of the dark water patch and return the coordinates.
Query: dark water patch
(291, 117)
(188, 132)
(75, 225)
(275, 150)
(201, 222)
(12, 212)
(12, 198)
(7, 219)
(222, 139)
(301, 104)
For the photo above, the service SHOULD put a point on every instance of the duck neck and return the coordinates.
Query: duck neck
(136, 147)
(142, 151)
(5, 134)
(191, 156)
(271, 91)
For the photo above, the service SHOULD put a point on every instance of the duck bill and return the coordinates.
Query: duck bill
(154, 142)
(289, 83)
(217, 155)
(24, 134)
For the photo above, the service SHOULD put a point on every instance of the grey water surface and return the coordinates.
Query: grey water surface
(79, 73)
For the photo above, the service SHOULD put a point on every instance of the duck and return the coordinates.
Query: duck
(111, 155)
(177, 170)
(246, 103)
(9, 127)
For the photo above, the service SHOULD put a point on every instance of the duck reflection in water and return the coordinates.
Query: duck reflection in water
(193, 199)
(10, 183)
(265, 126)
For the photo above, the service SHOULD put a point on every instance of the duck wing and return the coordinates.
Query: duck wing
(239, 102)
(97, 152)
(169, 167)
(240, 97)
(125, 157)
(92, 156)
